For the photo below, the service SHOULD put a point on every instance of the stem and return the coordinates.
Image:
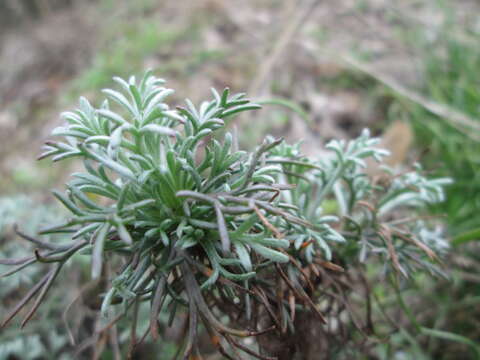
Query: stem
(404, 306)
(325, 190)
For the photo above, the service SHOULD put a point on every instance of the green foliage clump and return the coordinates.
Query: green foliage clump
(191, 222)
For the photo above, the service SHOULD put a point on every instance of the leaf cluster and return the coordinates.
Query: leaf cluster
(190, 221)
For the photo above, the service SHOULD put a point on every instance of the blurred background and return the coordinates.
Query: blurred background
(408, 70)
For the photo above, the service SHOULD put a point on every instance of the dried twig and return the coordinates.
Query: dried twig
(296, 22)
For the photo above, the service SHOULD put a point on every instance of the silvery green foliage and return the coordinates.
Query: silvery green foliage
(365, 204)
(192, 214)
(425, 190)
(161, 195)
(31, 346)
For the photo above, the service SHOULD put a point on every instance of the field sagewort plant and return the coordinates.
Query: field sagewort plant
(188, 221)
